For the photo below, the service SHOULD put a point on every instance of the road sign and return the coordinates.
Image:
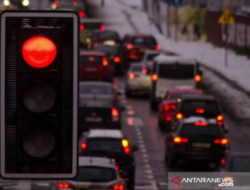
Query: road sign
(226, 18)
(176, 2)
(39, 94)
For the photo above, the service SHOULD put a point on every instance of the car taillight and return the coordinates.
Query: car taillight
(168, 118)
(197, 78)
(95, 44)
(223, 161)
(115, 114)
(223, 141)
(81, 14)
(131, 75)
(179, 116)
(157, 47)
(84, 146)
(200, 111)
(117, 187)
(74, 3)
(129, 46)
(169, 107)
(220, 119)
(104, 61)
(82, 27)
(117, 59)
(144, 71)
(117, 168)
(179, 140)
(125, 145)
(154, 77)
(62, 185)
(200, 123)
(102, 27)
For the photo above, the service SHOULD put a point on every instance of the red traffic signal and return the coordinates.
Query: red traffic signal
(39, 51)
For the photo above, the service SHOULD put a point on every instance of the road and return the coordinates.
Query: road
(140, 125)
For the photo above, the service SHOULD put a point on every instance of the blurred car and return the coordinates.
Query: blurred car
(94, 173)
(196, 139)
(107, 37)
(115, 55)
(87, 27)
(137, 44)
(112, 144)
(95, 66)
(168, 105)
(138, 79)
(198, 105)
(99, 106)
(169, 72)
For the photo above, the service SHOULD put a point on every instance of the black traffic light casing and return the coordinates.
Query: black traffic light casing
(39, 105)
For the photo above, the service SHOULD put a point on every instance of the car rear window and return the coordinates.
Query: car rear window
(151, 56)
(240, 164)
(95, 174)
(95, 89)
(105, 145)
(144, 41)
(90, 59)
(106, 49)
(108, 35)
(176, 96)
(190, 130)
(91, 26)
(190, 107)
(176, 71)
(136, 68)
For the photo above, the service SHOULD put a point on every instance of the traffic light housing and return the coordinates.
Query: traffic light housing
(39, 94)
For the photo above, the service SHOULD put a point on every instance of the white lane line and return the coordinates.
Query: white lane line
(149, 171)
(149, 187)
(143, 150)
(142, 146)
(154, 185)
(147, 166)
(139, 137)
(145, 161)
(144, 155)
(140, 141)
(163, 184)
(150, 176)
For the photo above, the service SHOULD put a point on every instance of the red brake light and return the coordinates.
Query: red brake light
(129, 46)
(84, 145)
(74, 3)
(197, 78)
(154, 77)
(104, 61)
(157, 47)
(200, 123)
(168, 107)
(223, 161)
(64, 185)
(144, 71)
(39, 51)
(117, 187)
(131, 75)
(82, 27)
(179, 116)
(127, 150)
(117, 168)
(223, 141)
(102, 27)
(200, 111)
(220, 118)
(179, 140)
(81, 14)
(115, 112)
(117, 59)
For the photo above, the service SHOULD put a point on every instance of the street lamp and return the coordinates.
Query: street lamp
(6, 2)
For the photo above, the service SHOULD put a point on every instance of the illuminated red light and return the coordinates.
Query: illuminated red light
(75, 3)
(131, 75)
(115, 112)
(157, 47)
(129, 46)
(102, 27)
(118, 187)
(81, 14)
(200, 123)
(154, 77)
(180, 140)
(197, 78)
(117, 59)
(144, 71)
(200, 111)
(82, 27)
(83, 145)
(39, 51)
(223, 141)
(117, 168)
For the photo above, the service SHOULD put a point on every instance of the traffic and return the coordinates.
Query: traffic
(144, 111)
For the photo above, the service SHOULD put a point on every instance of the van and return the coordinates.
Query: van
(168, 72)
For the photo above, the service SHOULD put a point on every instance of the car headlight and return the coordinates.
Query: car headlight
(25, 3)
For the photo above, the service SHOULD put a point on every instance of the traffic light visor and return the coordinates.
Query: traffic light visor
(39, 51)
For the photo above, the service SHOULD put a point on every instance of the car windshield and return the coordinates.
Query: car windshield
(240, 164)
(95, 174)
(95, 89)
(108, 35)
(190, 130)
(176, 71)
(90, 59)
(105, 145)
(151, 56)
(209, 108)
(144, 41)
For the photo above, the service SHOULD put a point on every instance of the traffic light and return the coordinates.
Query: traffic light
(39, 94)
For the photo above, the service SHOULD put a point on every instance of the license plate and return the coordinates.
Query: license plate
(91, 69)
(109, 42)
(201, 145)
(94, 119)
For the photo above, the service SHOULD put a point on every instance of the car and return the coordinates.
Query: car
(87, 27)
(99, 106)
(169, 72)
(94, 173)
(115, 55)
(137, 44)
(198, 105)
(108, 37)
(94, 65)
(197, 140)
(168, 105)
(112, 144)
(138, 80)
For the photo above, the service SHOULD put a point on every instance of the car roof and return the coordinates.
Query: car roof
(176, 90)
(96, 83)
(140, 35)
(197, 97)
(95, 161)
(90, 20)
(92, 53)
(105, 133)
(170, 59)
(194, 119)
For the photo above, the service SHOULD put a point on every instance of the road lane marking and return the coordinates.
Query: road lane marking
(147, 166)
(139, 137)
(150, 176)
(140, 141)
(142, 146)
(148, 187)
(145, 160)
(149, 171)
(154, 185)
(163, 184)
